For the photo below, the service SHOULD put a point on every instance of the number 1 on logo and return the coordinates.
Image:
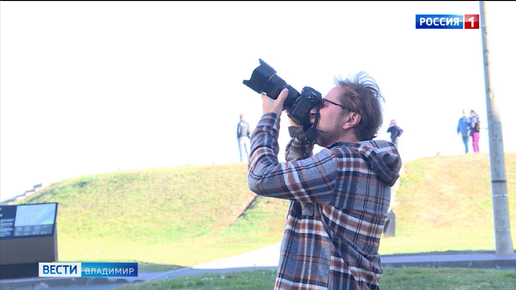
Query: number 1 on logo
(472, 21)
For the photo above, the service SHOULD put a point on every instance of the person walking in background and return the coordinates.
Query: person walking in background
(243, 134)
(395, 131)
(475, 129)
(464, 129)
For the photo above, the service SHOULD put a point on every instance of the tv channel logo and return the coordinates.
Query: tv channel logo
(88, 269)
(60, 269)
(447, 21)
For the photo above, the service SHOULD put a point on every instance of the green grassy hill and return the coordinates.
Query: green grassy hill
(184, 216)
(444, 203)
(170, 216)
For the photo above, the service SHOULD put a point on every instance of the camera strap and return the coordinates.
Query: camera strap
(306, 133)
(312, 133)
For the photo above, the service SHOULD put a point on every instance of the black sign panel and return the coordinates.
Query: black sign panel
(7, 214)
(28, 220)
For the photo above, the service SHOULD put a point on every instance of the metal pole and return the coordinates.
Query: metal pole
(502, 229)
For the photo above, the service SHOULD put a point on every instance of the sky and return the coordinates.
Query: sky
(90, 87)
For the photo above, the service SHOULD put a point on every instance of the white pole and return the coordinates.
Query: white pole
(502, 229)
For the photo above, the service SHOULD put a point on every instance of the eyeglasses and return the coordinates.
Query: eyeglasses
(341, 106)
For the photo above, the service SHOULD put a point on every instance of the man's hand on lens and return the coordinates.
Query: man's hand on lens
(274, 106)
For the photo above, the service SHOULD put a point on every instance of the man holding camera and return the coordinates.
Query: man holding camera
(339, 197)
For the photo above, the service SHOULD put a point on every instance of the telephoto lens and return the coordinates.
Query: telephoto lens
(265, 80)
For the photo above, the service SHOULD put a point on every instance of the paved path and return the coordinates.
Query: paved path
(267, 258)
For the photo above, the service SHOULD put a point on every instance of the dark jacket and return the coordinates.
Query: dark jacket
(473, 122)
(463, 127)
(243, 129)
(395, 131)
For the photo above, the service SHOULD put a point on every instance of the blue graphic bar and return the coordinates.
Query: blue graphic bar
(439, 21)
(109, 269)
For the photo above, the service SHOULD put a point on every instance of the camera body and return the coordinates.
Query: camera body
(298, 105)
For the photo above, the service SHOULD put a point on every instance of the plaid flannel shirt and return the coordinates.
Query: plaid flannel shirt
(339, 199)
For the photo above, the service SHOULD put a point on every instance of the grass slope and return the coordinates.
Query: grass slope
(170, 216)
(182, 216)
(444, 203)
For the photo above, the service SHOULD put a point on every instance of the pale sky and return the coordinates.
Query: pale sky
(91, 87)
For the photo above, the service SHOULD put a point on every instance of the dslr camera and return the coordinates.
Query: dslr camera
(265, 80)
